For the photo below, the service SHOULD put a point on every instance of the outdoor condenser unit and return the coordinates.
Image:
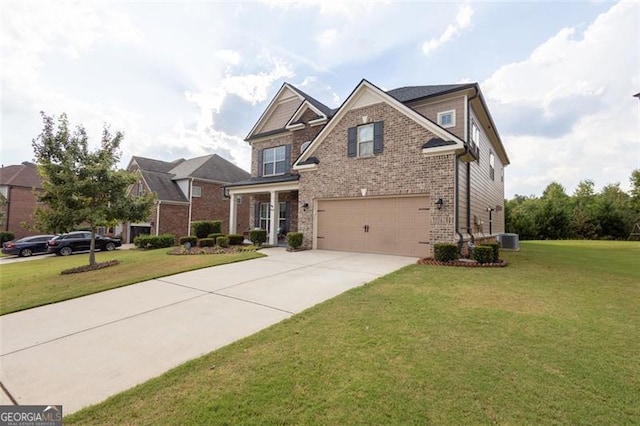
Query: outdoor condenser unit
(509, 241)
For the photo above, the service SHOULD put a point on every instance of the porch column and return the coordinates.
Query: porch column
(232, 213)
(274, 214)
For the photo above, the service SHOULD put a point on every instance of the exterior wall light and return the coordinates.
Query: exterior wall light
(439, 203)
(305, 206)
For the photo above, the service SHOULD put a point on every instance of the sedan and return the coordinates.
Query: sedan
(25, 247)
(66, 244)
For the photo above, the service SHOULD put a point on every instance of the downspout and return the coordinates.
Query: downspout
(158, 218)
(190, 204)
(469, 167)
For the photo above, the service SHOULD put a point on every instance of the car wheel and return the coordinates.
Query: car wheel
(65, 251)
(110, 246)
(26, 252)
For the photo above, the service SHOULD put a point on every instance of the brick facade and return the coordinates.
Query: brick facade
(400, 169)
(21, 203)
(174, 219)
(212, 205)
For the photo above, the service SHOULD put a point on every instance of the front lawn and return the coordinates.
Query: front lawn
(551, 339)
(33, 283)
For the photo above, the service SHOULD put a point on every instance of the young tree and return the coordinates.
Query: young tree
(81, 186)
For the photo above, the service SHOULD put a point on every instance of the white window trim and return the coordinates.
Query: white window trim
(275, 162)
(281, 220)
(358, 141)
(196, 191)
(453, 118)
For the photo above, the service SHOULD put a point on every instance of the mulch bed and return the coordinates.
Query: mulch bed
(87, 268)
(463, 263)
(181, 250)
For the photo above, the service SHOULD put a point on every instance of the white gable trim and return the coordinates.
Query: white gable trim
(296, 115)
(271, 107)
(367, 94)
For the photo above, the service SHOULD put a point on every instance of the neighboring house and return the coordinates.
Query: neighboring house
(186, 191)
(386, 172)
(17, 184)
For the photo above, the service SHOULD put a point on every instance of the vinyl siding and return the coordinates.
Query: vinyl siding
(430, 109)
(281, 114)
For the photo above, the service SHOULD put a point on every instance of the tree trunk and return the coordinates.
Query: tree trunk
(92, 247)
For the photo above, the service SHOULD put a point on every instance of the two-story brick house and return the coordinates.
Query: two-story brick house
(386, 172)
(186, 191)
(17, 185)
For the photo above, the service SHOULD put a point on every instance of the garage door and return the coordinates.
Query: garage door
(397, 226)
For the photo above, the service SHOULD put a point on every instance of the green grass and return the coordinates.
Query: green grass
(34, 283)
(551, 339)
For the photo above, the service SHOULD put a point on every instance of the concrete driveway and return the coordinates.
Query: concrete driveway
(81, 351)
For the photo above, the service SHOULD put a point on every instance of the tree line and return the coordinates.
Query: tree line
(610, 213)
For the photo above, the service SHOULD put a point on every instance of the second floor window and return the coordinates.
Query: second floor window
(274, 161)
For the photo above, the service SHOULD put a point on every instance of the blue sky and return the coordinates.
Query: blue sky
(184, 79)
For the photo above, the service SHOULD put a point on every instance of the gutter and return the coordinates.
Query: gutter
(190, 204)
(8, 204)
(469, 166)
(158, 218)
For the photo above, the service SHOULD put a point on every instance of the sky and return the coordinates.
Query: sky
(185, 79)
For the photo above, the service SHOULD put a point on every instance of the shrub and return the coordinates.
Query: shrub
(6, 236)
(294, 239)
(445, 252)
(482, 254)
(202, 228)
(495, 250)
(215, 235)
(258, 236)
(189, 239)
(206, 242)
(236, 239)
(223, 241)
(154, 241)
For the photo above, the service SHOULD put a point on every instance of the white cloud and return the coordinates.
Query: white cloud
(463, 20)
(588, 81)
(327, 38)
(230, 56)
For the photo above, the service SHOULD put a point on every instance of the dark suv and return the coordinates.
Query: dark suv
(65, 244)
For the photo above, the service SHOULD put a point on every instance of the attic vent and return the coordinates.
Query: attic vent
(304, 146)
(509, 241)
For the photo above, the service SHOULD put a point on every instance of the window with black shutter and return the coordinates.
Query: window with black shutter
(365, 140)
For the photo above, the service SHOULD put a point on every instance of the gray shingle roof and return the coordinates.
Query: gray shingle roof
(266, 180)
(25, 175)
(165, 188)
(210, 167)
(156, 165)
(436, 142)
(316, 103)
(411, 93)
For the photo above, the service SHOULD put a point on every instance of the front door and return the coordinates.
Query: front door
(264, 219)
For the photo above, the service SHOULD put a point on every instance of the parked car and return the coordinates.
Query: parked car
(65, 244)
(25, 247)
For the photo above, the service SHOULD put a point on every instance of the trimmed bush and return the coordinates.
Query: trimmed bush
(236, 239)
(223, 241)
(495, 248)
(215, 236)
(154, 241)
(258, 236)
(202, 228)
(206, 242)
(482, 254)
(6, 236)
(189, 239)
(294, 239)
(445, 252)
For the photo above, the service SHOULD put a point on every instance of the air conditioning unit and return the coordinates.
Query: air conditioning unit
(509, 241)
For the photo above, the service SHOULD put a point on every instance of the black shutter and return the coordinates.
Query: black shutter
(352, 147)
(378, 131)
(260, 163)
(287, 158)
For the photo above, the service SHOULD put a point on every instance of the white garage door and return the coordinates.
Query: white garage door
(398, 225)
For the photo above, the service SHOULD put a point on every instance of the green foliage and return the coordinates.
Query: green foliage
(236, 239)
(223, 241)
(482, 254)
(6, 236)
(202, 228)
(294, 239)
(189, 239)
(445, 252)
(207, 242)
(215, 235)
(258, 236)
(154, 241)
(495, 250)
(83, 186)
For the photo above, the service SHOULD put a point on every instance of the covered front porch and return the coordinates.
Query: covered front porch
(272, 202)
